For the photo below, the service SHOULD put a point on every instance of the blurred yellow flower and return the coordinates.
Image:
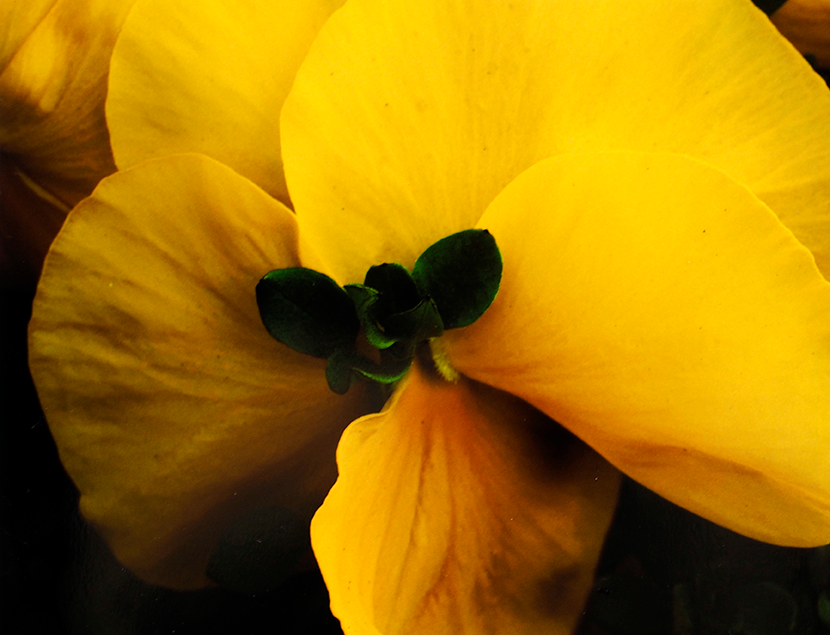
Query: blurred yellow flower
(54, 147)
(806, 23)
(661, 199)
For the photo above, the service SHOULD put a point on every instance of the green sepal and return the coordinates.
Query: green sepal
(365, 298)
(339, 373)
(417, 324)
(362, 297)
(387, 373)
(461, 273)
(344, 364)
(398, 290)
(399, 351)
(397, 293)
(382, 329)
(307, 311)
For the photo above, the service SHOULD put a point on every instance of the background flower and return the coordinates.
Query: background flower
(806, 23)
(54, 62)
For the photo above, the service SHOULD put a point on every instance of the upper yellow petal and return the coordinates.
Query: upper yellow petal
(52, 97)
(663, 313)
(171, 406)
(461, 510)
(210, 77)
(407, 118)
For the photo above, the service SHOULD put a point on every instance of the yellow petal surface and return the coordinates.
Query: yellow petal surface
(663, 314)
(461, 510)
(17, 21)
(171, 406)
(52, 95)
(407, 118)
(210, 77)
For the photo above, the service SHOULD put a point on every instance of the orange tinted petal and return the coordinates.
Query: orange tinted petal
(662, 313)
(460, 509)
(172, 407)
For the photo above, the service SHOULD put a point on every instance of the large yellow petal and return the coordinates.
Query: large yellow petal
(407, 118)
(662, 313)
(210, 77)
(52, 97)
(461, 510)
(171, 406)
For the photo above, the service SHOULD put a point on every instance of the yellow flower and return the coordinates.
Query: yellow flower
(661, 199)
(54, 147)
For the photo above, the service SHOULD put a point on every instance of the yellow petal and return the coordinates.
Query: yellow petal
(172, 407)
(662, 313)
(407, 118)
(52, 97)
(17, 21)
(210, 77)
(460, 509)
(806, 23)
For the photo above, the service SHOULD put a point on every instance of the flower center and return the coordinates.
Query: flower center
(451, 285)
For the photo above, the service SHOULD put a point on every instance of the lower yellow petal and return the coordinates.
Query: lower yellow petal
(52, 97)
(662, 313)
(461, 510)
(171, 406)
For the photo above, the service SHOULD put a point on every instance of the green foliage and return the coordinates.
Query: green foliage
(452, 285)
(307, 311)
(461, 273)
(345, 365)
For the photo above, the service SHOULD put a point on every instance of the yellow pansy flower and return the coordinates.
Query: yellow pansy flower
(54, 147)
(657, 178)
